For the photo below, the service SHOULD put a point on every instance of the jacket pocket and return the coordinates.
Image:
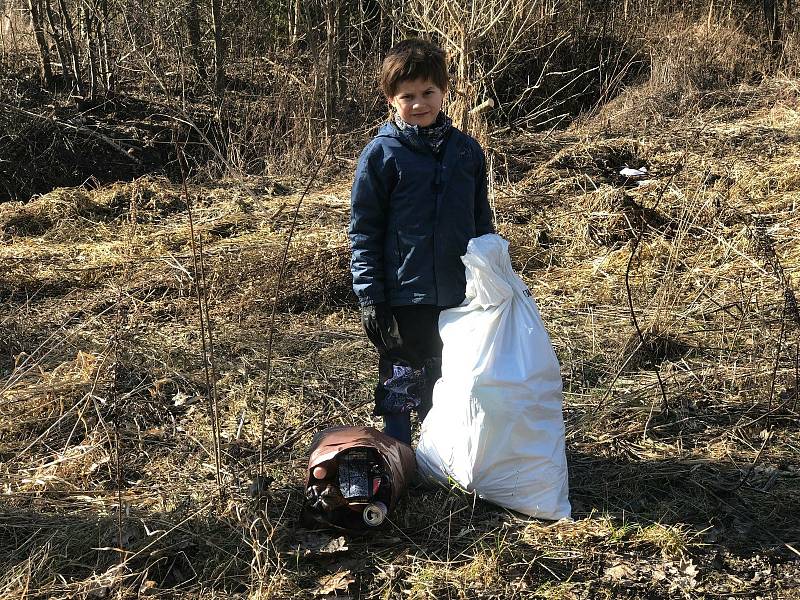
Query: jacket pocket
(415, 261)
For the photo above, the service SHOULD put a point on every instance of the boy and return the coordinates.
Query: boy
(419, 195)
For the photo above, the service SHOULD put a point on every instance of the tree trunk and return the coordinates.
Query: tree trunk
(773, 26)
(294, 22)
(788, 24)
(88, 33)
(219, 49)
(331, 56)
(343, 43)
(463, 82)
(105, 60)
(193, 35)
(45, 70)
(59, 39)
(72, 48)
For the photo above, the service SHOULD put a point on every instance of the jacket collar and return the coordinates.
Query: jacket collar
(409, 136)
(450, 153)
(433, 135)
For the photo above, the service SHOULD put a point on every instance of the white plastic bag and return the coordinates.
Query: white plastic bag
(496, 425)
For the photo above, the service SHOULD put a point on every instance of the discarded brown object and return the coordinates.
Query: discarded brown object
(355, 477)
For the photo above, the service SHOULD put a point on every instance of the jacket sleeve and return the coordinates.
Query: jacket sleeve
(483, 212)
(369, 204)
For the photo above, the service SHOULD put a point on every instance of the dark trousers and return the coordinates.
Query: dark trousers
(418, 325)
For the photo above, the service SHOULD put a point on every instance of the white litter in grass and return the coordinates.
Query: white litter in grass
(628, 172)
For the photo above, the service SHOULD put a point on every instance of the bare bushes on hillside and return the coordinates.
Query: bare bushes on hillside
(279, 79)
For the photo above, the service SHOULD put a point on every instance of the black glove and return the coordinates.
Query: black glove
(381, 328)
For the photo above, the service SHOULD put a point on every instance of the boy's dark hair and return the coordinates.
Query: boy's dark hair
(412, 59)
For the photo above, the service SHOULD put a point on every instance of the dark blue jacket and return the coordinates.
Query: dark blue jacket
(412, 216)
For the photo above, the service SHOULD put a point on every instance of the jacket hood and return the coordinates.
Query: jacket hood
(388, 129)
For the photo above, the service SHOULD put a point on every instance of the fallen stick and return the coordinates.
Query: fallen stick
(105, 139)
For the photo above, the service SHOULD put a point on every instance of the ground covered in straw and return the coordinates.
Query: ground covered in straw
(671, 304)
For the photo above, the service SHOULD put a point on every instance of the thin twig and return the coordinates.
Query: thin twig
(200, 293)
(211, 357)
(115, 418)
(642, 344)
(278, 283)
(777, 360)
(796, 374)
(301, 429)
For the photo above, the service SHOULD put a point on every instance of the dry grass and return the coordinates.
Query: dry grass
(108, 477)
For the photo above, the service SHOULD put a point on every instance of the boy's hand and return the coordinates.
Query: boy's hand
(381, 328)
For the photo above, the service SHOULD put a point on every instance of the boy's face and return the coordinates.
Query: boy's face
(418, 101)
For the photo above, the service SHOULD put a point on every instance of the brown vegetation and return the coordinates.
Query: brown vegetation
(261, 89)
(671, 304)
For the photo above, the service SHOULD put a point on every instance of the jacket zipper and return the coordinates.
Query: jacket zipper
(437, 181)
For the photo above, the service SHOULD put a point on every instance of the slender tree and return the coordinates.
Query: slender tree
(104, 48)
(219, 47)
(72, 48)
(194, 39)
(773, 23)
(45, 70)
(89, 35)
(332, 23)
(295, 16)
(58, 38)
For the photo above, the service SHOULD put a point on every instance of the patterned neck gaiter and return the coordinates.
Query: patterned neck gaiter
(433, 135)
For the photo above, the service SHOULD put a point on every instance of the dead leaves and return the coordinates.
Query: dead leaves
(677, 576)
(331, 584)
(620, 572)
(319, 546)
(314, 542)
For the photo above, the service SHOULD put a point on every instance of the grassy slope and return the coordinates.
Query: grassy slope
(687, 493)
